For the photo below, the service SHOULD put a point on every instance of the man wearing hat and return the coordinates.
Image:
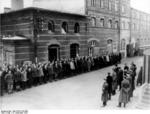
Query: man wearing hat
(109, 80)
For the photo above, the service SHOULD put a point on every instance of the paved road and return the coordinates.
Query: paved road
(80, 92)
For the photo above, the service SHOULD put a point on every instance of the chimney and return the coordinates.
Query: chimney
(17, 4)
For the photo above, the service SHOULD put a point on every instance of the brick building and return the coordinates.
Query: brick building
(104, 26)
(34, 34)
(108, 26)
(116, 26)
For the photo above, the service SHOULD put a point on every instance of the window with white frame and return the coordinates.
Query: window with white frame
(93, 21)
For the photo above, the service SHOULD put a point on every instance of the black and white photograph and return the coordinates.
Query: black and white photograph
(74, 55)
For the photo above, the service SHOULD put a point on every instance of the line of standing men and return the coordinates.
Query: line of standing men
(16, 78)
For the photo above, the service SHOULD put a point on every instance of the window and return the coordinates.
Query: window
(123, 44)
(76, 28)
(102, 22)
(93, 2)
(86, 27)
(110, 23)
(116, 5)
(102, 3)
(123, 9)
(134, 26)
(116, 24)
(64, 28)
(93, 21)
(109, 5)
(129, 25)
(123, 25)
(51, 27)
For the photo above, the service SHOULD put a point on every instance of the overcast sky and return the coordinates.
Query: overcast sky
(143, 5)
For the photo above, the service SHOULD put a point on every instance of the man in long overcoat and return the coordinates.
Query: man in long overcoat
(123, 97)
(114, 83)
(30, 77)
(17, 80)
(139, 79)
(129, 78)
(120, 78)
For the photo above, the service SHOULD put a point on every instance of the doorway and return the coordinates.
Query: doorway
(53, 52)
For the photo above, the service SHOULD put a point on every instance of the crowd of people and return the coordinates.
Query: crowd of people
(122, 79)
(20, 77)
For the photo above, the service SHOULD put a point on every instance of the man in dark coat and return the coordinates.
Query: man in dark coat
(120, 78)
(2, 82)
(139, 79)
(17, 80)
(109, 81)
(30, 77)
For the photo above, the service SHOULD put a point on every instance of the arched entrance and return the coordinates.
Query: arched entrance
(53, 52)
(74, 50)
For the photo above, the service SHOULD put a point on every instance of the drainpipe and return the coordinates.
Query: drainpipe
(119, 28)
(35, 33)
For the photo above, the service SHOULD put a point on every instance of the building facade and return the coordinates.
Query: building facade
(35, 34)
(115, 20)
(110, 21)
(108, 26)
(104, 26)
